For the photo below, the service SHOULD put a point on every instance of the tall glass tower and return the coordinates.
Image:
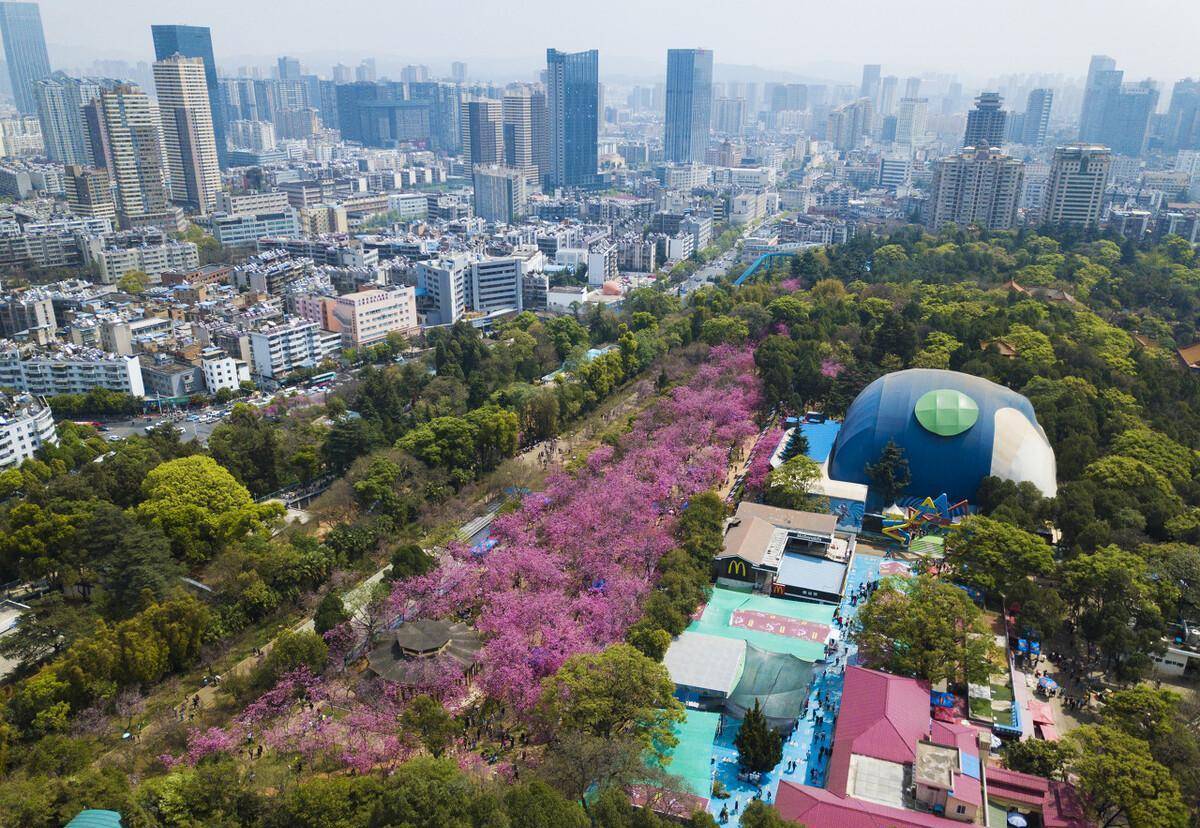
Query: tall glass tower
(25, 51)
(573, 112)
(689, 104)
(195, 42)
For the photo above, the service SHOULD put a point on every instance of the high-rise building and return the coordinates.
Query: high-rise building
(483, 131)
(1100, 78)
(887, 95)
(95, 140)
(24, 51)
(912, 87)
(1075, 191)
(252, 135)
(196, 42)
(540, 132)
(135, 148)
(869, 88)
(573, 115)
(183, 105)
(288, 68)
(458, 72)
(689, 98)
(1037, 117)
(342, 73)
(414, 73)
(59, 100)
(518, 134)
(729, 115)
(985, 123)
(1183, 116)
(979, 186)
(849, 124)
(89, 192)
(910, 120)
(501, 194)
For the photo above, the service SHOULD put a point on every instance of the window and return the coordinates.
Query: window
(960, 809)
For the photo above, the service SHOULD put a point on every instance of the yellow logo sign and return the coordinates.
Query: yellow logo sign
(737, 567)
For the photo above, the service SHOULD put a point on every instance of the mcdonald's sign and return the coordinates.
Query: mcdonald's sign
(736, 568)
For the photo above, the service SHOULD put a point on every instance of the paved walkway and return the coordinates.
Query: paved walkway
(814, 732)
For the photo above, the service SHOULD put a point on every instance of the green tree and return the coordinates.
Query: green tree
(928, 629)
(133, 281)
(331, 612)
(1120, 782)
(289, 651)
(409, 560)
(614, 694)
(1038, 757)
(428, 722)
(249, 446)
(791, 485)
(761, 815)
(760, 748)
(889, 475)
(993, 556)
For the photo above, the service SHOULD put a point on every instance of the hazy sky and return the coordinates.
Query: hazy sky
(828, 38)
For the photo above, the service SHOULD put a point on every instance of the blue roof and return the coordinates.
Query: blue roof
(820, 574)
(95, 819)
(970, 764)
(886, 410)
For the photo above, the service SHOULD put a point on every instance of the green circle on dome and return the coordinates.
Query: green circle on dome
(946, 412)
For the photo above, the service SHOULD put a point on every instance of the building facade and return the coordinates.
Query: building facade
(689, 102)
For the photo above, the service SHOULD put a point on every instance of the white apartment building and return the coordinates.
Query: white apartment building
(496, 285)
(69, 370)
(277, 349)
(445, 284)
(745, 177)
(408, 206)
(187, 128)
(26, 424)
(153, 260)
(249, 228)
(601, 263)
(368, 316)
(222, 371)
(1075, 190)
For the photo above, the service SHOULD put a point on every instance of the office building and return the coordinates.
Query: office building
(1101, 77)
(247, 228)
(689, 99)
(1036, 123)
(458, 72)
(912, 87)
(196, 42)
(258, 136)
(132, 129)
(483, 131)
(24, 51)
(910, 121)
(869, 88)
(979, 186)
(887, 95)
(368, 316)
(1116, 114)
(1075, 190)
(573, 113)
(89, 192)
(26, 424)
(193, 170)
(501, 194)
(495, 285)
(986, 122)
(518, 135)
(444, 284)
(414, 74)
(1183, 116)
(288, 68)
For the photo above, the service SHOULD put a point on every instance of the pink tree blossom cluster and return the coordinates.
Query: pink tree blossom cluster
(760, 460)
(574, 563)
(831, 367)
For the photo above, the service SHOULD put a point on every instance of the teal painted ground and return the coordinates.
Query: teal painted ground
(724, 602)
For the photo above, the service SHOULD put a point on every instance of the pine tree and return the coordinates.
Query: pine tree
(330, 612)
(759, 747)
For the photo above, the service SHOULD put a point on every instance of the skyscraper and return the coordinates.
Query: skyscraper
(1183, 117)
(1100, 78)
(288, 68)
(500, 193)
(1037, 117)
(979, 186)
(887, 95)
(910, 120)
(849, 124)
(458, 72)
(89, 193)
(689, 101)
(24, 51)
(59, 101)
(193, 171)
(912, 87)
(729, 115)
(483, 131)
(132, 128)
(540, 132)
(870, 82)
(195, 42)
(573, 115)
(985, 123)
(518, 134)
(1075, 191)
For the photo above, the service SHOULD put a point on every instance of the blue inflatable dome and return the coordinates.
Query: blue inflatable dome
(955, 429)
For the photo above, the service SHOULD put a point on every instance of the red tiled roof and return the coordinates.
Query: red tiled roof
(882, 716)
(819, 808)
(1058, 801)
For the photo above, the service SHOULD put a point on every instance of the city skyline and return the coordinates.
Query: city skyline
(1028, 38)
